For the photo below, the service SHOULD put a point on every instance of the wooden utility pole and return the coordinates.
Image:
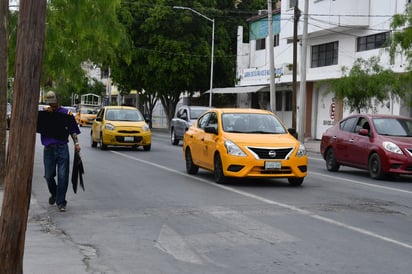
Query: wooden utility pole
(20, 152)
(4, 12)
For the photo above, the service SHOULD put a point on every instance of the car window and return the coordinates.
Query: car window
(362, 124)
(212, 120)
(100, 113)
(202, 122)
(183, 114)
(348, 124)
(252, 123)
(393, 126)
(131, 115)
(195, 113)
(228, 121)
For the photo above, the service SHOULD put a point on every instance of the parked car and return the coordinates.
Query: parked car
(120, 126)
(184, 118)
(86, 115)
(381, 144)
(235, 142)
(73, 110)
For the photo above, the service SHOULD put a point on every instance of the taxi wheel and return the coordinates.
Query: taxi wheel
(191, 168)
(173, 138)
(102, 146)
(147, 148)
(94, 144)
(220, 178)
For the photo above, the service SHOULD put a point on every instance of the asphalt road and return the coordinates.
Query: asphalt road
(141, 213)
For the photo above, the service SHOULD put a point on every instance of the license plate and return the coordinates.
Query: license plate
(128, 139)
(272, 165)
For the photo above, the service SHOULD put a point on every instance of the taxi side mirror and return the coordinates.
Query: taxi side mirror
(211, 129)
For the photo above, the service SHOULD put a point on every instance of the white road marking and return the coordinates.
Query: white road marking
(344, 180)
(271, 202)
(171, 242)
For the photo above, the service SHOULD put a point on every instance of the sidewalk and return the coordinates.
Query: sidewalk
(312, 146)
(48, 250)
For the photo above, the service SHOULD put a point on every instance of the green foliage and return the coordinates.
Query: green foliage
(365, 81)
(77, 31)
(171, 48)
(402, 35)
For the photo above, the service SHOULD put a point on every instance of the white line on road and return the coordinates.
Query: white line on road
(171, 242)
(271, 202)
(344, 180)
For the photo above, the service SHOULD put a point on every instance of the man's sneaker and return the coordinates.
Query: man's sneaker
(52, 200)
(62, 208)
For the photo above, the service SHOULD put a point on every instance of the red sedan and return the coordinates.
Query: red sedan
(381, 144)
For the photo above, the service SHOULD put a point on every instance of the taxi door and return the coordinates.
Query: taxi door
(209, 141)
(97, 125)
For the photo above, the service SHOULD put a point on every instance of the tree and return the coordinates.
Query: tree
(77, 32)
(170, 51)
(20, 153)
(402, 35)
(171, 47)
(364, 81)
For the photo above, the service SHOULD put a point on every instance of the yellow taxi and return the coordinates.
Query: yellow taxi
(86, 115)
(244, 143)
(120, 126)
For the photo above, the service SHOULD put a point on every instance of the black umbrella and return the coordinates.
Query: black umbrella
(77, 172)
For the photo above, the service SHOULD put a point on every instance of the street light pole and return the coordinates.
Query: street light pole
(213, 47)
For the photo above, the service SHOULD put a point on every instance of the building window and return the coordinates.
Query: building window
(276, 40)
(374, 41)
(325, 54)
(279, 102)
(288, 100)
(260, 44)
(292, 4)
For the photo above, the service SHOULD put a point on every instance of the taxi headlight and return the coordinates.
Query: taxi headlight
(391, 147)
(301, 151)
(145, 127)
(109, 126)
(233, 149)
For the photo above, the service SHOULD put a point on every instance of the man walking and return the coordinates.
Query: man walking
(55, 125)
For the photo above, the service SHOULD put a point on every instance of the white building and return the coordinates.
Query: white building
(339, 32)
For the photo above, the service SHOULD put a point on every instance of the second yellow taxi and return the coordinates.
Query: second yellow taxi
(244, 143)
(120, 126)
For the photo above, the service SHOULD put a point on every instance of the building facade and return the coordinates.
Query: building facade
(338, 33)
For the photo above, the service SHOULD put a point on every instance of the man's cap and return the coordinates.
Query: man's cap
(51, 97)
